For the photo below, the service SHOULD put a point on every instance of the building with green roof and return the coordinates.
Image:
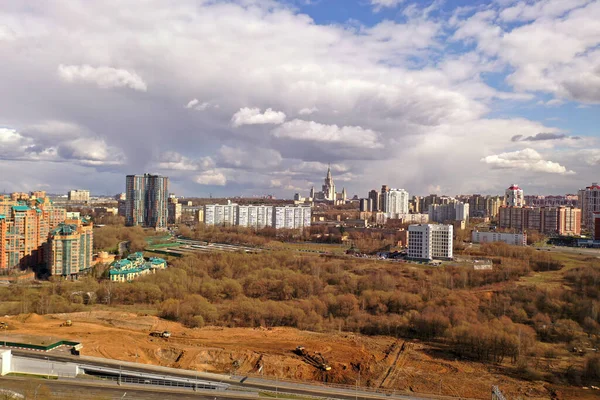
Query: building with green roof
(135, 265)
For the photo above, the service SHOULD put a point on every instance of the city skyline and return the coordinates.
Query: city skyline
(254, 97)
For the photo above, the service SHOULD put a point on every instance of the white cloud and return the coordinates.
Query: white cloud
(379, 4)
(103, 77)
(211, 177)
(253, 116)
(527, 11)
(172, 160)
(527, 160)
(196, 105)
(399, 85)
(345, 136)
(192, 103)
(308, 111)
(92, 151)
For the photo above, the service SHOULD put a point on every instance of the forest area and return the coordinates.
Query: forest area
(479, 315)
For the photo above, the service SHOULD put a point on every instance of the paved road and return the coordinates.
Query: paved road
(82, 389)
(573, 250)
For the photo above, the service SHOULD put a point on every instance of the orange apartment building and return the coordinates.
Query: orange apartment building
(69, 248)
(25, 223)
(549, 220)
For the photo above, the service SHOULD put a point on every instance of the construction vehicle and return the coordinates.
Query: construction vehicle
(67, 323)
(317, 360)
(3, 325)
(163, 334)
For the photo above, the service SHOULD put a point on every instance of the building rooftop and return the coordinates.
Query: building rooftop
(20, 208)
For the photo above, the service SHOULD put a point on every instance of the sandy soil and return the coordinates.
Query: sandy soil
(382, 361)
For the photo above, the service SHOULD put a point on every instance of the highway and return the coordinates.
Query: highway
(242, 383)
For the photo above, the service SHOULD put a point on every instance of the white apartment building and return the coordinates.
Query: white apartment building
(220, 215)
(414, 218)
(429, 242)
(515, 239)
(514, 196)
(256, 217)
(79, 195)
(288, 217)
(395, 202)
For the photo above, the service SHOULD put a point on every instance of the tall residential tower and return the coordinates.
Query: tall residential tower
(147, 198)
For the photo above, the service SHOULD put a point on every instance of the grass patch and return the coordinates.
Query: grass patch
(308, 247)
(35, 376)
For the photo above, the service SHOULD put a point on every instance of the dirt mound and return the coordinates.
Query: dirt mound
(31, 318)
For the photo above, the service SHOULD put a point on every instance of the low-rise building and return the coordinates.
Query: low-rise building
(515, 239)
(133, 266)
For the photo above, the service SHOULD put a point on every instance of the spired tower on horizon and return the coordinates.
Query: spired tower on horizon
(328, 192)
(329, 186)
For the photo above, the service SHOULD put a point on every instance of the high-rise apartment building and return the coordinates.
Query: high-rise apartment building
(288, 217)
(514, 196)
(589, 203)
(256, 217)
(24, 229)
(79, 195)
(374, 197)
(454, 211)
(365, 205)
(429, 242)
(396, 201)
(174, 210)
(596, 230)
(569, 200)
(221, 214)
(69, 248)
(548, 220)
(146, 204)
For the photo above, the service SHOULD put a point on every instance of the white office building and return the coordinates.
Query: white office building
(430, 242)
(395, 201)
(515, 239)
(221, 214)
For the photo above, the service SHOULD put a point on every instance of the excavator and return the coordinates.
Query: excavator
(317, 360)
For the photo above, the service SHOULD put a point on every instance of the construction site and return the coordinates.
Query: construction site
(283, 353)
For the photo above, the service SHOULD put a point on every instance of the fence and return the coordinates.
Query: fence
(353, 388)
(203, 386)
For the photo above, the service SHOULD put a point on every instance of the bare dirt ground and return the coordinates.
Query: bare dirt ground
(382, 361)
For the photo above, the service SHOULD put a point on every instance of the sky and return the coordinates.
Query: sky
(255, 97)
